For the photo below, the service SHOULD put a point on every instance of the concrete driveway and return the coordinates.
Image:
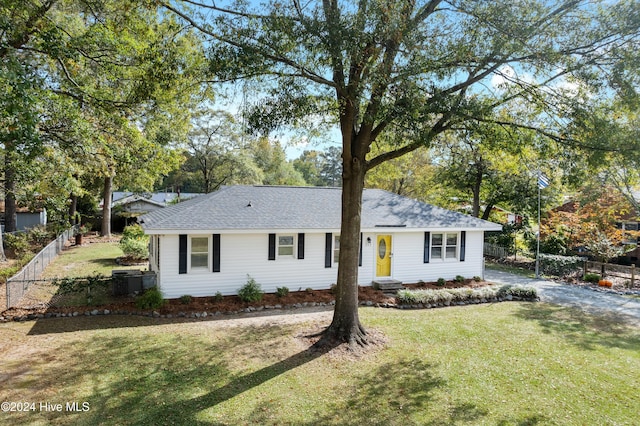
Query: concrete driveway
(590, 301)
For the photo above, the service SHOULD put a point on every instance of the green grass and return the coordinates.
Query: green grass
(508, 364)
(510, 269)
(96, 258)
(85, 261)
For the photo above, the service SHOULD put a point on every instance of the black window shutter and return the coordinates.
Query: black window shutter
(216, 252)
(427, 243)
(463, 244)
(328, 240)
(300, 246)
(182, 255)
(360, 254)
(272, 246)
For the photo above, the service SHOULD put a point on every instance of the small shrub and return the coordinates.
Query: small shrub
(6, 273)
(134, 242)
(309, 290)
(78, 285)
(460, 294)
(477, 279)
(407, 296)
(282, 291)
(446, 296)
(560, 266)
(218, 297)
(136, 249)
(39, 235)
(251, 291)
(26, 258)
(517, 291)
(185, 299)
(421, 283)
(133, 232)
(333, 289)
(441, 282)
(150, 299)
(592, 278)
(459, 279)
(17, 243)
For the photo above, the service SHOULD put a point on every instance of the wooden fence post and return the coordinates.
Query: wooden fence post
(633, 275)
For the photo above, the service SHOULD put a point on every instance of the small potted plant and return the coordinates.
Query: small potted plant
(82, 230)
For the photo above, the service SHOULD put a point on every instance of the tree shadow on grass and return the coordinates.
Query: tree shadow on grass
(104, 263)
(397, 393)
(584, 330)
(168, 382)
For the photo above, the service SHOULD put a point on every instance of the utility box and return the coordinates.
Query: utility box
(126, 281)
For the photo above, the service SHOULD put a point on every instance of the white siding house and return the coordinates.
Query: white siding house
(289, 236)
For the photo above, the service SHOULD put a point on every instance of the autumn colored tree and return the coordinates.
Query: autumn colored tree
(592, 221)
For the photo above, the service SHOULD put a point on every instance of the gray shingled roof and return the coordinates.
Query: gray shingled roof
(282, 207)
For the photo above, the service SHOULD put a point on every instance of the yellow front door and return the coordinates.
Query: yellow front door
(383, 256)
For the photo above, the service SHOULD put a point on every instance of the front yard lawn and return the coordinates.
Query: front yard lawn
(507, 363)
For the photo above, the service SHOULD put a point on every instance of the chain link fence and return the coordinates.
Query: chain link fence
(19, 284)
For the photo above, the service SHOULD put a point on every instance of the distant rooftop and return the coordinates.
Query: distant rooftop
(160, 198)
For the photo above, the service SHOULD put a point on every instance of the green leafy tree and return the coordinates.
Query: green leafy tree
(309, 165)
(216, 155)
(411, 175)
(271, 159)
(487, 166)
(320, 168)
(108, 82)
(412, 71)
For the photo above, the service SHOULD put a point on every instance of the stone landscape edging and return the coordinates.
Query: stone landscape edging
(205, 314)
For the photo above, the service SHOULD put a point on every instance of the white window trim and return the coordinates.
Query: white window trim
(294, 246)
(443, 257)
(198, 269)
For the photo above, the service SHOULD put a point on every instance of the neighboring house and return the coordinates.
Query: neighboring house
(27, 218)
(290, 236)
(132, 205)
(128, 206)
(499, 214)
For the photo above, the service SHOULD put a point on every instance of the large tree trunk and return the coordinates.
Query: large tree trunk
(106, 206)
(346, 326)
(10, 210)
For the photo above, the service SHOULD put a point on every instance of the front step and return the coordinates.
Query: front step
(388, 285)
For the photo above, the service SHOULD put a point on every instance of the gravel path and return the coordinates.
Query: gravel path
(596, 302)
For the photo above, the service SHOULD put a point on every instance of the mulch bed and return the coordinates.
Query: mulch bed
(228, 305)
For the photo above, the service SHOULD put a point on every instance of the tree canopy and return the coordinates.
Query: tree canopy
(99, 87)
(412, 70)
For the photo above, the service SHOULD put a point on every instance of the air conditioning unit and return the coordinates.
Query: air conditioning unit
(126, 281)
